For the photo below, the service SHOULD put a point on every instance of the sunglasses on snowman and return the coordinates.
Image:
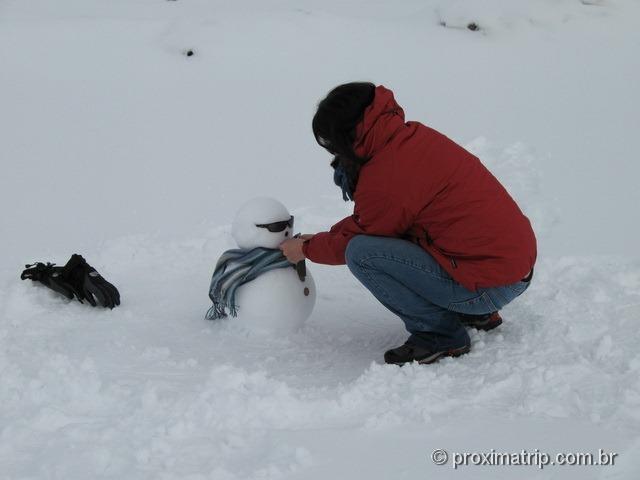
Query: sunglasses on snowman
(277, 226)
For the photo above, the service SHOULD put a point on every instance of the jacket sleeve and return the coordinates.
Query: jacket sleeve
(375, 213)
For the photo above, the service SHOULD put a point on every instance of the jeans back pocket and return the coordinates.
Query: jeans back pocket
(479, 305)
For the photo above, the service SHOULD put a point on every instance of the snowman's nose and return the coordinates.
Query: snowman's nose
(286, 234)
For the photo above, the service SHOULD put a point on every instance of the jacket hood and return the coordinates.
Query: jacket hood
(381, 120)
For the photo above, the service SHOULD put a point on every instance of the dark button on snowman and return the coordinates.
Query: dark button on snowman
(280, 299)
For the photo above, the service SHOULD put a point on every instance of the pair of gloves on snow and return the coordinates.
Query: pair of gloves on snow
(76, 279)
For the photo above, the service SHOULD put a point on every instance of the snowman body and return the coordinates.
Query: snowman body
(278, 300)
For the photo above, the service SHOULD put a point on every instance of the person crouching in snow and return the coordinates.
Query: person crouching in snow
(434, 236)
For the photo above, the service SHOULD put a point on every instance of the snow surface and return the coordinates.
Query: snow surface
(117, 145)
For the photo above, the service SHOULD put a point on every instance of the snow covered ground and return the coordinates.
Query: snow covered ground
(117, 145)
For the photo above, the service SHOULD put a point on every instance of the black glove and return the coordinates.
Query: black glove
(49, 275)
(77, 278)
(88, 283)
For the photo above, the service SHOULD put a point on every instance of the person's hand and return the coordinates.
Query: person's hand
(306, 236)
(292, 249)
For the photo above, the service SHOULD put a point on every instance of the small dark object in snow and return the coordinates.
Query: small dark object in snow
(76, 279)
(189, 53)
(301, 270)
(306, 292)
(442, 23)
(473, 27)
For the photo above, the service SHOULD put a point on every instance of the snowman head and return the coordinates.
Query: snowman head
(262, 222)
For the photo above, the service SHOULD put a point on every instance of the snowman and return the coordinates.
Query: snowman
(281, 299)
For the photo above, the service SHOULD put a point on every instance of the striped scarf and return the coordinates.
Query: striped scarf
(341, 179)
(235, 268)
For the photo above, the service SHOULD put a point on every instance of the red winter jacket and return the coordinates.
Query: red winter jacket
(422, 186)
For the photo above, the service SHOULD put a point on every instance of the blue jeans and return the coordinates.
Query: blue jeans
(410, 283)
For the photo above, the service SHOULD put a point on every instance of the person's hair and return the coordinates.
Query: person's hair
(335, 121)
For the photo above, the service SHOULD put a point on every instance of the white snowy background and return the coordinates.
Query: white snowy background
(115, 144)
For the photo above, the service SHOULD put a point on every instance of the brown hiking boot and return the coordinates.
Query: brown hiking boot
(431, 347)
(481, 322)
